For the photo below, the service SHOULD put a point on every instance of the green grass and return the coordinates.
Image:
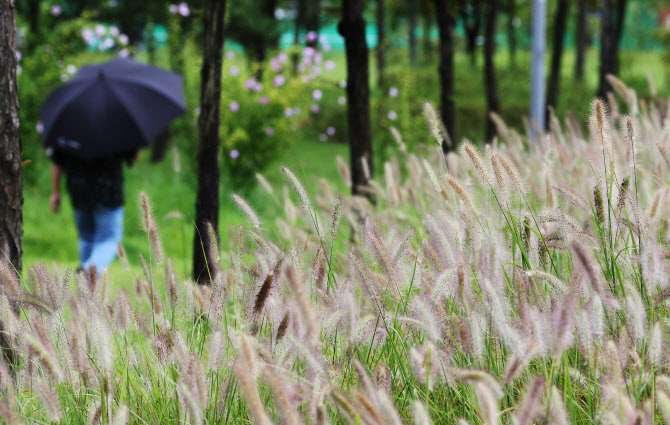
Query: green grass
(49, 237)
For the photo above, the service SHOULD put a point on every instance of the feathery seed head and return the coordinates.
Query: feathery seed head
(463, 195)
(433, 120)
(297, 186)
(467, 148)
(247, 210)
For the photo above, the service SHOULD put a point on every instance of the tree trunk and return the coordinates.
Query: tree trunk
(557, 54)
(511, 34)
(426, 42)
(352, 28)
(489, 68)
(472, 22)
(445, 22)
(381, 44)
(413, 14)
(207, 198)
(11, 171)
(611, 36)
(580, 40)
(295, 56)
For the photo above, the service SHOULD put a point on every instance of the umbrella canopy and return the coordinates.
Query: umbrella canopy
(113, 107)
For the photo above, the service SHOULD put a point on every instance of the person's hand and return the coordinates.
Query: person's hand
(55, 202)
(133, 159)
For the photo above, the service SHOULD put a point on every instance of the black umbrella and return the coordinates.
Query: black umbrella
(113, 107)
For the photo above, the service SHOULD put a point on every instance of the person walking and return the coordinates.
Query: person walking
(96, 192)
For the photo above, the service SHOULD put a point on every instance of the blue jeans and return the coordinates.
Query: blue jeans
(100, 231)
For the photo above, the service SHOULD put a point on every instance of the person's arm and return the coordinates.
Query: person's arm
(56, 172)
(132, 158)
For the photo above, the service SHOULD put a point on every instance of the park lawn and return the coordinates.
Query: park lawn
(51, 238)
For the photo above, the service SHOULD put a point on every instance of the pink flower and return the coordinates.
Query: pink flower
(39, 127)
(264, 100)
(288, 112)
(308, 51)
(317, 94)
(343, 84)
(314, 108)
(323, 137)
(342, 100)
(173, 8)
(250, 83)
(235, 71)
(56, 10)
(258, 87)
(100, 30)
(87, 35)
(234, 154)
(114, 31)
(329, 65)
(123, 39)
(230, 55)
(330, 131)
(326, 47)
(318, 58)
(234, 106)
(183, 9)
(393, 92)
(282, 56)
(18, 56)
(311, 36)
(392, 115)
(269, 131)
(279, 81)
(124, 53)
(275, 65)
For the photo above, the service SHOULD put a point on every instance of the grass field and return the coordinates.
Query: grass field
(523, 283)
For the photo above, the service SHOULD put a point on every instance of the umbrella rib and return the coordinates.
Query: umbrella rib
(179, 102)
(120, 99)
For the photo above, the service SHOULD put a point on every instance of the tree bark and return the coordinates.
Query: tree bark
(560, 23)
(471, 23)
(511, 33)
(11, 171)
(352, 28)
(295, 56)
(381, 44)
(207, 198)
(580, 40)
(612, 29)
(445, 22)
(489, 68)
(427, 47)
(413, 14)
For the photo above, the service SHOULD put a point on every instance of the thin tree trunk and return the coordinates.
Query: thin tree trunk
(11, 172)
(445, 22)
(381, 44)
(207, 198)
(352, 28)
(295, 56)
(511, 34)
(611, 36)
(471, 23)
(580, 40)
(560, 23)
(489, 68)
(413, 14)
(618, 31)
(426, 43)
